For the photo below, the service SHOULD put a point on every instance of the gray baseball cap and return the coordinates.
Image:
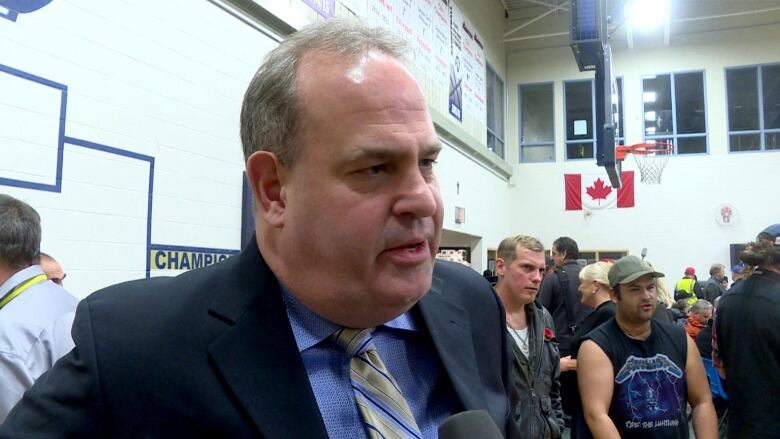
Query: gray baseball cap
(628, 269)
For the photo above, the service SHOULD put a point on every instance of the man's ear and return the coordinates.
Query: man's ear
(614, 295)
(500, 267)
(266, 177)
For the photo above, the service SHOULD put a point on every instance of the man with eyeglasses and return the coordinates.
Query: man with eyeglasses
(35, 314)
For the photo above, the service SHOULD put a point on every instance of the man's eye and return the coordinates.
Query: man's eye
(373, 170)
(427, 163)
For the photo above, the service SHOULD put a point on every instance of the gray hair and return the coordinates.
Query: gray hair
(700, 306)
(272, 110)
(717, 268)
(20, 233)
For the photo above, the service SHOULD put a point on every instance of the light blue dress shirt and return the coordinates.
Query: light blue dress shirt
(406, 350)
(34, 333)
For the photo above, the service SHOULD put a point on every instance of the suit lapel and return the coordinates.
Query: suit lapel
(257, 356)
(450, 329)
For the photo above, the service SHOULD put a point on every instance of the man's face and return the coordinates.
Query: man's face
(557, 256)
(702, 316)
(637, 300)
(718, 275)
(363, 211)
(53, 271)
(522, 277)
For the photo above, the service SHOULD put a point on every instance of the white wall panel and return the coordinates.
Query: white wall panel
(152, 95)
(484, 196)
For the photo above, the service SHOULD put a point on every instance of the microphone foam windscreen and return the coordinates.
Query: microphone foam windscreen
(469, 424)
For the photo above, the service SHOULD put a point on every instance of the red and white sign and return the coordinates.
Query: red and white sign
(727, 215)
(593, 191)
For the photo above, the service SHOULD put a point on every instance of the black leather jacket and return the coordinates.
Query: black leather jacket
(535, 381)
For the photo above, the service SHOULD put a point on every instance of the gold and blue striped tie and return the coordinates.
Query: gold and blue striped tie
(385, 412)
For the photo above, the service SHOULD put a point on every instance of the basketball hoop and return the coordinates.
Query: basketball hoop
(650, 157)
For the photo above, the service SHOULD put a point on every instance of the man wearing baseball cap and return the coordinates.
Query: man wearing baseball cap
(739, 273)
(747, 344)
(771, 235)
(688, 288)
(639, 373)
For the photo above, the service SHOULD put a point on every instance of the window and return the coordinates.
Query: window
(495, 112)
(537, 141)
(753, 100)
(580, 100)
(580, 119)
(591, 256)
(673, 108)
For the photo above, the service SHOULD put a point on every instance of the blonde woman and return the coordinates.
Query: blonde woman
(663, 312)
(594, 293)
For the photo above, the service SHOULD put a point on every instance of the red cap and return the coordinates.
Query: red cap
(690, 271)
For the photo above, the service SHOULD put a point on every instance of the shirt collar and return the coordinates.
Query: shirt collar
(19, 277)
(310, 329)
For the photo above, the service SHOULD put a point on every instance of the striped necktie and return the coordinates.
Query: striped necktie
(385, 412)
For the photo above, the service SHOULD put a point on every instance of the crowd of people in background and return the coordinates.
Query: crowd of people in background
(631, 325)
(285, 340)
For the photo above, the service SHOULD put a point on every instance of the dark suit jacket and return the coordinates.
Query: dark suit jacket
(211, 353)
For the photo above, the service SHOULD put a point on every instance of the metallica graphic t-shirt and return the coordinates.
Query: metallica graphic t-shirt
(650, 396)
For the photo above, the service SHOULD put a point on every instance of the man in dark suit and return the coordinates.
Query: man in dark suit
(339, 149)
(559, 295)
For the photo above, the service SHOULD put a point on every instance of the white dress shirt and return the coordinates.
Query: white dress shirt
(34, 333)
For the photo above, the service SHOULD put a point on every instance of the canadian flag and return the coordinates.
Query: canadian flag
(593, 191)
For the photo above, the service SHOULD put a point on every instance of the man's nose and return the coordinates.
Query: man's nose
(418, 196)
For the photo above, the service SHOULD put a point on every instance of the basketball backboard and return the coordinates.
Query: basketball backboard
(590, 44)
(607, 117)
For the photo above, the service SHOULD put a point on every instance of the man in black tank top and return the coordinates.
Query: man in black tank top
(636, 374)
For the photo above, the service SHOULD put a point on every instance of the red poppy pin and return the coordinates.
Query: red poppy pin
(548, 334)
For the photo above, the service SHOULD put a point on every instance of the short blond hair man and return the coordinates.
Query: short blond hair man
(535, 374)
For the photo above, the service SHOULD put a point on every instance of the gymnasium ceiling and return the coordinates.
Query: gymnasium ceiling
(533, 24)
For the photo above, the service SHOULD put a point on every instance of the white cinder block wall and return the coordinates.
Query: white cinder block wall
(676, 220)
(143, 98)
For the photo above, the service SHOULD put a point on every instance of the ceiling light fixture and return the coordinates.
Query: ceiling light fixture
(649, 14)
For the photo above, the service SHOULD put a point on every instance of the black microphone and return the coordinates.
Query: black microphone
(469, 424)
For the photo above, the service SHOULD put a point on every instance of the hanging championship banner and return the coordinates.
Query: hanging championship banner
(455, 100)
(441, 44)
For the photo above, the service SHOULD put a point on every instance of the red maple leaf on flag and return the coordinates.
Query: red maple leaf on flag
(599, 190)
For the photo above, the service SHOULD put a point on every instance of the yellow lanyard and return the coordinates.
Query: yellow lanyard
(20, 289)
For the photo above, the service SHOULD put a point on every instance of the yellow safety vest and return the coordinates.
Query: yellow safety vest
(686, 284)
(20, 289)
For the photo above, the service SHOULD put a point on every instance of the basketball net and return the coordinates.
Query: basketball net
(651, 159)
